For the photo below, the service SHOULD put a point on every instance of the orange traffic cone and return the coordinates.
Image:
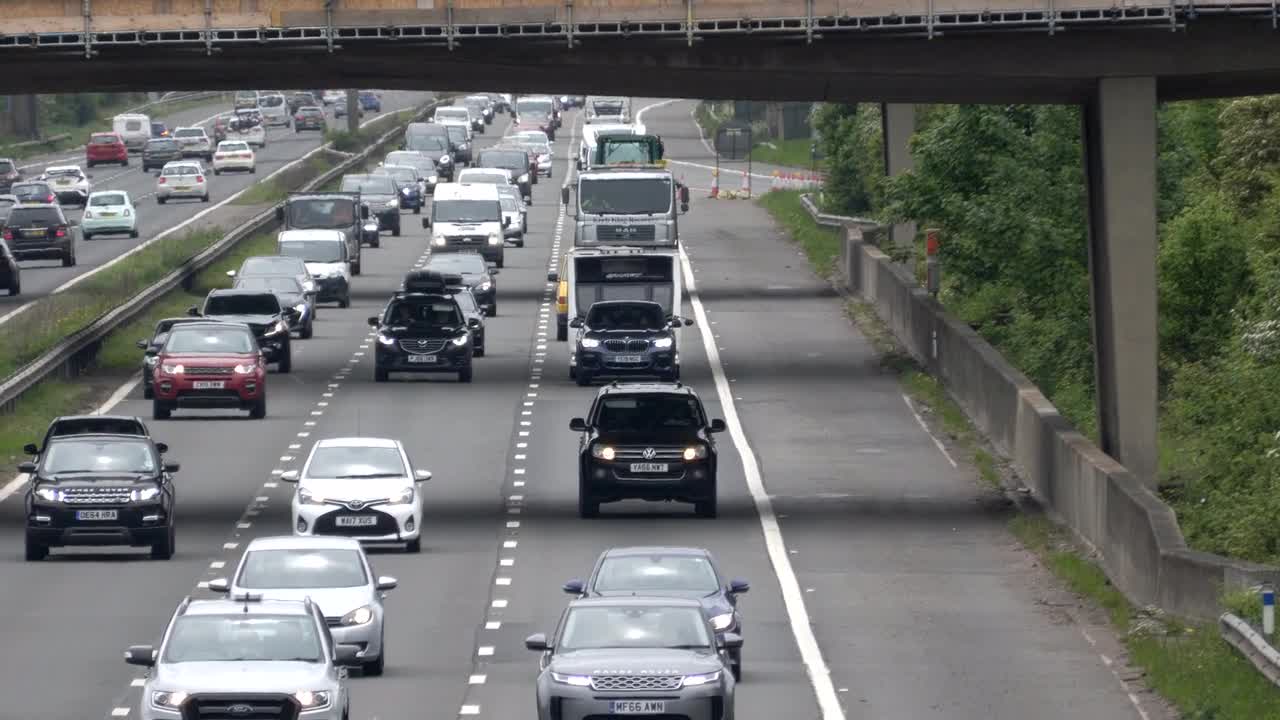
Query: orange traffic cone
(774, 180)
(715, 184)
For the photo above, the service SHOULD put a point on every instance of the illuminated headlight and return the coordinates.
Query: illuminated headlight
(162, 699)
(306, 497)
(172, 369)
(245, 369)
(301, 308)
(663, 343)
(462, 339)
(722, 622)
(438, 240)
(406, 191)
(309, 285)
(151, 360)
(484, 286)
(312, 699)
(464, 146)
(145, 494)
(359, 616)
(575, 680)
(386, 340)
(393, 203)
(695, 452)
(433, 179)
(47, 493)
(695, 680)
(280, 327)
(445, 159)
(495, 239)
(404, 498)
(604, 452)
(523, 178)
(590, 343)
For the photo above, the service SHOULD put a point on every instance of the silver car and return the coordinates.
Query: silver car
(334, 572)
(246, 657)
(634, 656)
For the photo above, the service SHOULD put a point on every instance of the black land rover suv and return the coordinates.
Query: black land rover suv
(647, 441)
(100, 489)
(422, 329)
(625, 338)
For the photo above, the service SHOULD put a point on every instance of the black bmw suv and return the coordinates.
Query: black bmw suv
(422, 330)
(625, 338)
(100, 489)
(647, 441)
(262, 312)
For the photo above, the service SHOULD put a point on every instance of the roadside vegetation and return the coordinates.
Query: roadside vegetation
(1005, 185)
(77, 115)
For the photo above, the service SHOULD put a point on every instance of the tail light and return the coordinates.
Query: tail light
(8, 234)
(60, 232)
(246, 155)
(297, 117)
(50, 198)
(162, 180)
(199, 178)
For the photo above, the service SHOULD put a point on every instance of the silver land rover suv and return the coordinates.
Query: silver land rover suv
(245, 657)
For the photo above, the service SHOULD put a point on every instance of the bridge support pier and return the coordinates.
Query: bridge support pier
(1119, 134)
(898, 123)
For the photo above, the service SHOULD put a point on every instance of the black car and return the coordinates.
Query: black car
(461, 144)
(625, 338)
(151, 349)
(40, 232)
(413, 191)
(9, 174)
(670, 572)
(291, 295)
(437, 146)
(476, 274)
(423, 330)
(301, 100)
(517, 161)
(421, 162)
(33, 192)
(262, 312)
(647, 441)
(471, 310)
(100, 490)
(159, 151)
(10, 273)
(380, 194)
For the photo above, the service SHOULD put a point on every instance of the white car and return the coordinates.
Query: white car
(333, 97)
(274, 109)
(182, 179)
(363, 488)
(485, 176)
(234, 155)
(194, 142)
(532, 136)
(248, 126)
(109, 212)
(68, 183)
(509, 195)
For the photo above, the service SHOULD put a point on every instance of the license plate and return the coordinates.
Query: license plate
(97, 514)
(181, 187)
(355, 521)
(422, 358)
(628, 358)
(648, 467)
(108, 214)
(637, 707)
(35, 232)
(209, 384)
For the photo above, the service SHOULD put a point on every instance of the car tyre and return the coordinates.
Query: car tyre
(376, 242)
(520, 241)
(308, 330)
(133, 234)
(344, 303)
(124, 162)
(87, 236)
(35, 552)
(479, 351)
(735, 664)
(395, 231)
(205, 199)
(375, 668)
(562, 331)
(588, 506)
(163, 550)
(414, 545)
(216, 171)
(705, 508)
(355, 268)
(583, 378)
(69, 260)
(253, 169)
(492, 311)
(380, 375)
(259, 409)
(502, 261)
(285, 364)
(15, 288)
(417, 210)
(148, 393)
(160, 410)
(464, 376)
(159, 200)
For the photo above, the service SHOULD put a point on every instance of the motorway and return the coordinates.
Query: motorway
(40, 277)
(870, 539)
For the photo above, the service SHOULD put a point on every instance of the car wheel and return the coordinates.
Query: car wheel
(88, 236)
(414, 545)
(520, 241)
(501, 261)
(35, 551)
(395, 231)
(573, 372)
(253, 169)
(133, 234)
(479, 351)
(259, 409)
(15, 287)
(216, 171)
(124, 162)
(285, 364)
(344, 303)
(492, 311)
(417, 210)
(464, 376)
(375, 668)
(376, 242)
(89, 164)
(69, 260)
(562, 331)
(380, 375)
(148, 393)
(160, 410)
(735, 664)
(588, 507)
(706, 508)
(205, 199)
(355, 269)
(307, 331)
(159, 200)
(583, 378)
(163, 550)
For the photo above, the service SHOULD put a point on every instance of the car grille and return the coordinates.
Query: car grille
(96, 495)
(626, 345)
(468, 239)
(640, 453)
(625, 233)
(196, 370)
(327, 524)
(422, 347)
(240, 707)
(628, 683)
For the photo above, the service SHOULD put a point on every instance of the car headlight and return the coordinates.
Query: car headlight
(695, 452)
(604, 452)
(312, 699)
(575, 680)
(309, 285)
(393, 203)
(433, 179)
(145, 494)
(386, 340)
(168, 699)
(301, 308)
(722, 622)
(438, 240)
(495, 239)
(87, 215)
(445, 159)
(590, 343)
(245, 369)
(462, 339)
(306, 497)
(695, 680)
(151, 360)
(47, 493)
(280, 327)
(663, 343)
(359, 616)
(484, 286)
(172, 369)
(404, 498)
(406, 190)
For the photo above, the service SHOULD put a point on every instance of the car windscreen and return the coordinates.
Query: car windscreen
(97, 456)
(107, 199)
(631, 626)
(231, 341)
(412, 159)
(487, 178)
(102, 139)
(509, 203)
(466, 301)
(533, 106)
(626, 316)
(369, 184)
(464, 211)
(457, 263)
(426, 143)
(97, 424)
(272, 265)
(511, 159)
(226, 147)
(454, 113)
(403, 174)
(355, 463)
(29, 189)
(457, 133)
(63, 172)
(297, 569)
(34, 217)
(189, 133)
(180, 170)
(162, 145)
(6, 167)
(252, 304)
(620, 196)
(243, 638)
(418, 312)
(648, 412)
(285, 284)
(321, 214)
(272, 101)
(316, 251)
(656, 573)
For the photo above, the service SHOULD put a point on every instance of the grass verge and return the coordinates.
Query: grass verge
(349, 142)
(793, 153)
(270, 192)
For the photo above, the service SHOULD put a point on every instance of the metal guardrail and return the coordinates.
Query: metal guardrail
(1240, 635)
(77, 351)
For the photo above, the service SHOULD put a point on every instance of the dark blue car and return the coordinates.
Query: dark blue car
(370, 102)
(669, 572)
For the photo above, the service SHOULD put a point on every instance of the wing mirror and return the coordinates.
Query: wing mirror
(574, 587)
(684, 197)
(426, 223)
(348, 655)
(687, 322)
(289, 476)
(537, 642)
(280, 213)
(564, 195)
(386, 582)
(27, 467)
(162, 448)
(718, 426)
(193, 311)
(506, 222)
(553, 276)
(578, 425)
(231, 273)
(738, 586)
(143, 655)
(422, 475)
(31, 449)
(684, 207)
(575, 323)
(219, 585)
(373, 321)
(143, 344)
(731, 641)
(473, 323)
(172, 467)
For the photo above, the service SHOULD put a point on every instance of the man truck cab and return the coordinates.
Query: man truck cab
(626, 205)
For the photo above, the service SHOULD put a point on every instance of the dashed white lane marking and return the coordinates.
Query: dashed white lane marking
(484, 650)
(513, 524)
(518, 483)
(137, 682)
(920, 420)
(217, 564)
(507, 562)
(476, 680)
(522, 445)
(502, 581)
(518, 471)
(521, 457)
(775, 545)
(261, 498)
(508, 544)
(499, 603)
(244, 525)
(230, 546)
(493, 624)
(119, 712)
(469, 710)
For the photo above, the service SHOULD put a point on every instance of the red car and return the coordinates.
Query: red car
(106, 147)
(209, 365)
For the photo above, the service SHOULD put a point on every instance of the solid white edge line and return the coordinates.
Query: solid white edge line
(792, 597)
(911, 406)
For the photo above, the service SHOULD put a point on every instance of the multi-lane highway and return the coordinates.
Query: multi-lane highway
(883, 582)
(283, 147)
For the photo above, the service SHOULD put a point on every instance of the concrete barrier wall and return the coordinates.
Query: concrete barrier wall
(1133, 532)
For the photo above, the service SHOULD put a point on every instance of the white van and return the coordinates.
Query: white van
(274, 109)
(619, 273)
(456, 114)
(467, 216)
(328, 255)
(134, 128)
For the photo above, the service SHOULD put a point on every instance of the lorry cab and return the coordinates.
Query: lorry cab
(619, 205)
(341, 211)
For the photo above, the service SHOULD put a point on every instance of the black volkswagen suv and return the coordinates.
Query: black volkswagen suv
(100, 489)
(422, 330)
(262, 312)
(647, 441)
(625, 338)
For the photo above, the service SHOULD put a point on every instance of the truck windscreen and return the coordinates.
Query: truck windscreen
(617, 196)
(321, 214)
